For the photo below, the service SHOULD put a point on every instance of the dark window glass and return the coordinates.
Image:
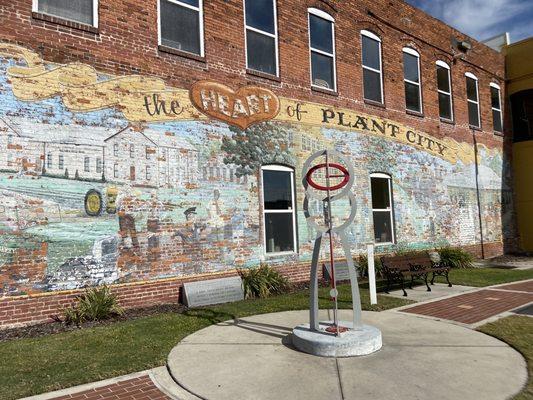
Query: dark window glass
(412, 97)
(321, 34)
(371, 53)
(495, 97)
(277, 190)
(410, 67)
(372, 85)
(380, 193)
(180, 27)
(74, 10)
(260, 15)
(322, 68)
(445, 106)
(471, 89)
(497, 120)
(279, 232)
(194, 3)
(522, 114)
(261, 52)
(443, 79)
(382, 226)
(473, 116)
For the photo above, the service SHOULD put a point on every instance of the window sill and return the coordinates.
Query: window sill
(475, 128)
(414, 113)
(374, 103)
(281, 254)
(447, 121)
(324, 90)
(263, 75)
(181, 53)
(500, 134)
(65, 22)
(383, 243)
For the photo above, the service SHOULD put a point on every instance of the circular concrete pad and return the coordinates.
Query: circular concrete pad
(253, 358)
(360, 342)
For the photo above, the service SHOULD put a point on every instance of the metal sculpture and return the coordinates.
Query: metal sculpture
(327, 194)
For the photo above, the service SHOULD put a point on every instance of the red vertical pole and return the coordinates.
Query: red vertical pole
(332, 261)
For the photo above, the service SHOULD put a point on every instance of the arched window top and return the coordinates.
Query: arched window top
(442, 64)
(371, 35)
(321, 14)
(410, 50)
(277, 167)
(471, 75)
(380, 175)
(495, 85)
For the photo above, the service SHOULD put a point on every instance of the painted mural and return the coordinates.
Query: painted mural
(107, 179)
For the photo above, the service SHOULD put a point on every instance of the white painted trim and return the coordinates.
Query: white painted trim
(275, 36)
(449, 94)
(199, 9)
(442, 64)
(35, 8)
(411, 51)
(389, 210)
(371, 35)
(380, 175)
(499, 109)
(471, 75)
(321, 14)
(495, 85)
(327, 17)
(414, 53)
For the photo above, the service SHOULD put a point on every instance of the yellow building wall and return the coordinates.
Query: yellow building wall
(519, 66)
(523, 179)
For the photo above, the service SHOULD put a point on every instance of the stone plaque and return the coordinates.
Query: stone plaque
(214, 291)
(341, 271)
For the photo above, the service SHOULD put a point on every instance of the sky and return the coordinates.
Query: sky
(483, 19)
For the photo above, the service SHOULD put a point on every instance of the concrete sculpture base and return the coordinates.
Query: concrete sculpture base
(363, 341)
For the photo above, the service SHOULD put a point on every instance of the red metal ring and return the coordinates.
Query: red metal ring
(346, 177)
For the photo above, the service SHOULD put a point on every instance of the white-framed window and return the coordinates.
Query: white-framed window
(382, 208)
(82, 11)
(115, 170)
(261, 36)
(181, 25)
(115, 149)
(322, 49)
(411, 78)
(132, 151)
(87, 164)
(49, 162)
(9, 139)
(279, 216)
(60, 161)
(372, 67)
(148, 173)
(99, 165)
(444, 89)
(496, 104)
(472, 97)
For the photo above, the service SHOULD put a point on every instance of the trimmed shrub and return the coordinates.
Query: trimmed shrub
(95, 304)
(362, 263)
(262, 281)
(455, 257)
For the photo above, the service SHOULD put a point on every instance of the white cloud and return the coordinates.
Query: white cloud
(481, 18)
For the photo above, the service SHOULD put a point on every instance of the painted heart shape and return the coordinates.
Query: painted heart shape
(242, 108)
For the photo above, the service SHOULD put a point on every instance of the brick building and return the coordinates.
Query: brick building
(220, 102)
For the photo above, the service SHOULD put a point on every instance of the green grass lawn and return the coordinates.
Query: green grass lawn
(517, 331)
(32, 366)
(486, 276)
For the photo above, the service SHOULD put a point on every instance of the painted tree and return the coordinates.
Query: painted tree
(258, 145)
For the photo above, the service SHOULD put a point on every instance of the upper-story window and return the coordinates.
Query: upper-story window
(82, 11)
(87, 164)
(132, 151)
(60, 162)
(444, 88)
(261, 36)
(322, 47)
(372, 67)
(411, 77)
(115, 149)
(181, 25)
(496, 103)
(472, 96)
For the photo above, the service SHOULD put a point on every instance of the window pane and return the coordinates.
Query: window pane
(279, 232)
(321, 34)
(371, 53)
(473, 117)
(75, 10)
(497, 120)
(471, 91)
(277, 190)
(180, 27)
(410, 67)
(261, 52)
(495, 97)
(382, 226)
(380, 193)
(372, 85)
(445, 106)
(260, 15)
(193, 3)
(443, 80)
(322, 69)
(412, 97)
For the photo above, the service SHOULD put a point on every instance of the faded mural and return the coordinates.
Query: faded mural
(114, 179)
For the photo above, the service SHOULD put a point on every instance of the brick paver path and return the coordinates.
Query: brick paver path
(141, 388)
(473, 307)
